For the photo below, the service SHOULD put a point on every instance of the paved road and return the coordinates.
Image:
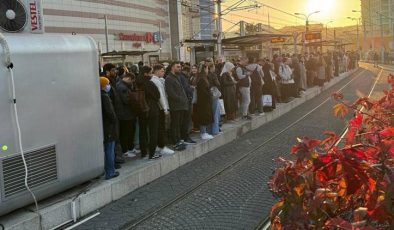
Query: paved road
(239, 197)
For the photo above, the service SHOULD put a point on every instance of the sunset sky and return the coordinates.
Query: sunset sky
(331, 10)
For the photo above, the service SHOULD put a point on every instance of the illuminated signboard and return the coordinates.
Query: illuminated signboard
(312, 36)
(278, 40)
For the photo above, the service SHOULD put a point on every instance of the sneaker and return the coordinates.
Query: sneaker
(247, 117)
(130, 153)
(189, 141)
(116, 174)
(179, 147)
(166, 151)
(118, 166)
(261, 114)
(156, 156)
(206, 136)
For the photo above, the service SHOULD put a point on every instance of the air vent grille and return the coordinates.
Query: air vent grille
(42, 167)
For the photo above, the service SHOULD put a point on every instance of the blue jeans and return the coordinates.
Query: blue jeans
(214, 128)
(109, 160)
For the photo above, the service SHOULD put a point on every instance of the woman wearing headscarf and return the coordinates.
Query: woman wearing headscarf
(229, 93)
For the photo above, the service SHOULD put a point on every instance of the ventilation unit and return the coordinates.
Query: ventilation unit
(59, 111)
(18, 16)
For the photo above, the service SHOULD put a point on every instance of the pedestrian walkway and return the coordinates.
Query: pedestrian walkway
(87, 199)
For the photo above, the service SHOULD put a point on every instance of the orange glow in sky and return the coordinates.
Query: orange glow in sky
(330, 10)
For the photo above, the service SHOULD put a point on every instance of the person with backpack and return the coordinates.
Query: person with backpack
(256, 89)
(243, 82)
(149, 119)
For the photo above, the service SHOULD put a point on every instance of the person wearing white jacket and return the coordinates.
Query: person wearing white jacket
(159, 81)
(288, 88)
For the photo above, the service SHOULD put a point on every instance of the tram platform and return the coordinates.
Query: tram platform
(84, 201)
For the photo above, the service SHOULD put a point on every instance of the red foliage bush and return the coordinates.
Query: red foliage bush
(349, 185)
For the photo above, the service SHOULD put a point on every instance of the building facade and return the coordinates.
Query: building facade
(378, 19)
(132, 25)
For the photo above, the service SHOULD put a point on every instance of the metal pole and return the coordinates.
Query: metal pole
(327, 32)
(358, 39)
(371, 25)
(219, 25)
(159, 40)
(381, 38)
(106, 33)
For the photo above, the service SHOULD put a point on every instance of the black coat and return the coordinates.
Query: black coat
(229, 93)
(177, 98)
(203, 108)
(109, 118)
(269, 86)
(152, 94)
(125, 111)
(113, 94)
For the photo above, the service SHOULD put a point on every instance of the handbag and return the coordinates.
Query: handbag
(221, 106)
(266, 100)
(138, 101)
(215, 92)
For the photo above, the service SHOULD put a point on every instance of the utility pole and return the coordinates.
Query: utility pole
(381, 37)
(106, 33)
(159, 40)
(371, 25)
(219, 27)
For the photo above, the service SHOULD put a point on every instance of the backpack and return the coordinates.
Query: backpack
(138, 101)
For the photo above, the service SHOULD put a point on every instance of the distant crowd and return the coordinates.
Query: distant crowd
(150, 111)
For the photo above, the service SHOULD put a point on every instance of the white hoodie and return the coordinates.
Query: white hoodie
(159, 82)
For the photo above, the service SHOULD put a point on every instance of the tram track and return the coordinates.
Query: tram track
(135, 223)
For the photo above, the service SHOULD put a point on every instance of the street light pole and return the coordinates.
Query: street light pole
(219, 25)
(306, 25)
(106, 33)
(358, 34)
(381, 37)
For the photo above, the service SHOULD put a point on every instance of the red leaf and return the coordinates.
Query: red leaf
(356, 121)
(338, 222)
(387, 132)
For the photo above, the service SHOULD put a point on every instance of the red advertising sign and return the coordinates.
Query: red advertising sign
(36, 17)
(147, 37)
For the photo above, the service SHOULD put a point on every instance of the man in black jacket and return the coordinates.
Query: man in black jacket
(109, 128)
(111, 72)
(126, 115)
(149, 123)
(178, 103)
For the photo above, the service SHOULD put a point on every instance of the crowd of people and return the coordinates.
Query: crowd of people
(156, 108)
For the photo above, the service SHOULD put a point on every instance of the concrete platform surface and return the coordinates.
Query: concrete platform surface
(86, 199)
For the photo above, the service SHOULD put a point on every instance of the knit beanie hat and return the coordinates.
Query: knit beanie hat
(103, 82)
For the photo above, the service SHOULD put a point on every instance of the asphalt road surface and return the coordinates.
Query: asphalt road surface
(227, 188)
